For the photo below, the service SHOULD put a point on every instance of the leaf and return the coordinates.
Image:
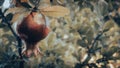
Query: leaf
(60, 2)
(110, 51)
(26, 3)
(15, 10)
(19, 16)
(101, 7)
(43, 3)
(108, 25)
(19, 12)
(15, 17)
(55, 11)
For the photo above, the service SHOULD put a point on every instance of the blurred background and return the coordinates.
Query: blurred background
(89, 37)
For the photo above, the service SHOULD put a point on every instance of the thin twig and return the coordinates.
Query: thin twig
(96, 38)
(16, 36)
(91, 50)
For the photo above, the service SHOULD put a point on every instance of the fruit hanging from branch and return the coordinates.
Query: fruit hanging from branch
(32, 29)
(32, 24)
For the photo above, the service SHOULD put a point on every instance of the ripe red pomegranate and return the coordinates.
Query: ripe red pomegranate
(32, 29)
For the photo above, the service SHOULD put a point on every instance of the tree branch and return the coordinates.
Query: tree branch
(16, 36)
(91, 50)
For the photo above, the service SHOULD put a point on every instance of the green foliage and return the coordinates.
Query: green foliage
(80, 40)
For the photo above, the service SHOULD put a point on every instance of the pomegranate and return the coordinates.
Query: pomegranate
(32, 29)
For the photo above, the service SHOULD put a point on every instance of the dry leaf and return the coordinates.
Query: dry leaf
(108, 25)
(18, 16)
(55, 11)
(60, 2)
(44, 2)
(16, 10)
(18, 13)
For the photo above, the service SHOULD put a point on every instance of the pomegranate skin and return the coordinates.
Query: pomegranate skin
(32, 29)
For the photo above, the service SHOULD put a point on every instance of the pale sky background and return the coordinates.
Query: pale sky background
(6, 4)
